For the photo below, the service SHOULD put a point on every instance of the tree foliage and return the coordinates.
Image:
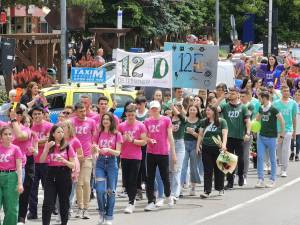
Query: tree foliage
(156, 18)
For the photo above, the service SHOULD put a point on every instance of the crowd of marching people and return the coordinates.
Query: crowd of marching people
(162, 144)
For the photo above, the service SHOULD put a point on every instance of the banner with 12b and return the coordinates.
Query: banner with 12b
(194, 66)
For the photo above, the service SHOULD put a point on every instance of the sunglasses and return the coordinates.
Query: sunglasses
(66, 113)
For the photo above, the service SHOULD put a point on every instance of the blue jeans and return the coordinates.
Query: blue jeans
(263, 144)
(158, 185)
(191, 155)
(297, 144)
(72, 195)
(175, 174)
(106, 178)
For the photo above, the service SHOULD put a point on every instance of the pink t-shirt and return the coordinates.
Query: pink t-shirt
(92, 115)
(99, 117)
(130, 150)
(2, 124)
(85, 130)
(158, 130)
(108, 140)
(24, 145)
(52, 157)
(8, 157)
(75, 144)
(41, 130)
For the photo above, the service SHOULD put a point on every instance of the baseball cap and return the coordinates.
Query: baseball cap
(270, 84)
(154, 104)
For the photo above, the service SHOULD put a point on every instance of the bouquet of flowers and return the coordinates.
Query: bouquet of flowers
(226, 161)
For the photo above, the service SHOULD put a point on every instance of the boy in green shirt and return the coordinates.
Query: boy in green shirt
(237, 118)
(267, 138)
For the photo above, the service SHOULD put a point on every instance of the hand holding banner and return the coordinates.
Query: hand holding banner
(144, 69)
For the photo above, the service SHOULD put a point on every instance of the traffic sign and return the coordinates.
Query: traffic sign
(88, 75)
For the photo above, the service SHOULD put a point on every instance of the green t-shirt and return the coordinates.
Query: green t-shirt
(195, 126)
(268, 122)
(212, 131)
(178, 128)
(289, 111)
(250, 108)
(142, 118)
(235, 116)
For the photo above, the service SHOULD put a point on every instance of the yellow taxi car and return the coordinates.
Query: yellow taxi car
(59, 96)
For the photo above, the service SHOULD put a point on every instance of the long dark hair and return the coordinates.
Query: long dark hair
(276, 62)
(198, 111)
(62, 143)
(216, 116)
(123, 116)
(112, 128)
(202, 101)
(245, 81)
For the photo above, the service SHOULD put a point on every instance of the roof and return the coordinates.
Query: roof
(83, 87)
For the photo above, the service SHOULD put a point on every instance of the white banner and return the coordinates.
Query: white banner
(144, 69)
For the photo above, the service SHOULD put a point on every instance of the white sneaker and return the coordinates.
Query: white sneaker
(204, 195)
(85, 214)
(151, 207)
(283, 174)
(170, 202)
(20, 223)
(270, 184)
(260, 184)
(101, 219)
(107, 222)
(129, 209)
(192, 192)
(221, 193)
(79, 213)
(160, 202)
(245, 181)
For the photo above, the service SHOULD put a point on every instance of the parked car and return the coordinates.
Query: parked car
(60, 96)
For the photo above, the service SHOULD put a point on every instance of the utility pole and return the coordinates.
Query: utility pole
(63, 37)
(270, 27)
(217, 22)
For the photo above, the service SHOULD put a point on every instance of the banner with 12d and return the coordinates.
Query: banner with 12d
(152, 69)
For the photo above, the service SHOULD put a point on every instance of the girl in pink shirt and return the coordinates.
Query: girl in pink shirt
(134, 136)
(69, 134)
(159, 141)
(10, 176)
(60, 157)
(108, 147)
(26, 140)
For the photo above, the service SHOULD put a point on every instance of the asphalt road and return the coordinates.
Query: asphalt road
(241, 206)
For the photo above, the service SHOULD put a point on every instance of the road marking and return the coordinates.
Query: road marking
(242, 205)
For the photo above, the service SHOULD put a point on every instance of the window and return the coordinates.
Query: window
(93, 95)
(122, 99)
(57, 101)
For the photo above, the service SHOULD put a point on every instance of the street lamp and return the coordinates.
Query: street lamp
(270, 27)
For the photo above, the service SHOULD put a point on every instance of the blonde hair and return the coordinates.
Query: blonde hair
(70, 127)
